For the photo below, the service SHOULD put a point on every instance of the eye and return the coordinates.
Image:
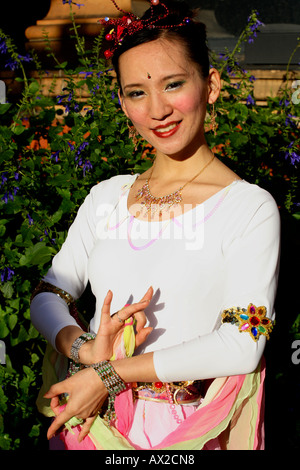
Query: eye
(135, 94)
(175, 85)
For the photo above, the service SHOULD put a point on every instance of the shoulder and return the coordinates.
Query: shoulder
(250, 196)
(249, 205)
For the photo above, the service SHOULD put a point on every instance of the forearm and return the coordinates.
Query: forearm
(66, 337)
(136, 368)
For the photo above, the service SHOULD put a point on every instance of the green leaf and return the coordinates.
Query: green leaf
(7, 289)
(34, 358)
(18, 129)
(4, 107)
(38, 254)
(12, 321)
(34, 87)
(4, 331)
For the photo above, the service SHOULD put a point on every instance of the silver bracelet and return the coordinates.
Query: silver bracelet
(74, 353)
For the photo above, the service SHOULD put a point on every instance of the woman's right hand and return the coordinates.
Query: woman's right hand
(111, 328)
(86, 394)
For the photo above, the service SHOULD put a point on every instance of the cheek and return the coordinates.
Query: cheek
(187, 104)
(137, 115)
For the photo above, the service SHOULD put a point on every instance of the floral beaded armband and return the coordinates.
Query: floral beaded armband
(252, 320)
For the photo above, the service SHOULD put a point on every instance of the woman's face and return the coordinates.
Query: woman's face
(164, 96)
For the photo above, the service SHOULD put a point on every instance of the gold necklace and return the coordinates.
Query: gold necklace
(163, 202)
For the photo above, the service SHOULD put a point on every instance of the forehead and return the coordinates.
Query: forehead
(161, 56)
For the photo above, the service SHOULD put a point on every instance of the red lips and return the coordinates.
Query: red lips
(167, 130)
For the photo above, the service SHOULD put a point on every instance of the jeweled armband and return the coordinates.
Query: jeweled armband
(47, 287)
(252, 320)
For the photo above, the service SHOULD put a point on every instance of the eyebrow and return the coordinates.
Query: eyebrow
(164, 79)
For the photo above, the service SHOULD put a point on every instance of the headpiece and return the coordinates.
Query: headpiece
(129, 24)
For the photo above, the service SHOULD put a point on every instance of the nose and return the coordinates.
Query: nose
(160, 107)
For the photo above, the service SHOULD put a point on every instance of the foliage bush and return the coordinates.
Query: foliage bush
(53, 149)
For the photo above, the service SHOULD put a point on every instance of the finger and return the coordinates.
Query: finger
(55, 405)
(149, 294)
(107, 303)
(129, 311)
(58, 422)
(142, 335)
(57, 389)
(141, 320)
(132, 309)
(85, 427)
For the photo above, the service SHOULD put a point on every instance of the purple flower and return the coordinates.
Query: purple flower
(70, 2)
(81, 148)
(5, 198)
(3, 46)
(60, 98)
(289, 121)
(250, 101)
(86, 74)
(6, 274)
(4, 178)
(12, 64)
(71, 146)
(254, 27)
(95, 88)
(87, 166)
(285, 102)
(55, 155)
(30, 219)
(293, 156)
(25, 58)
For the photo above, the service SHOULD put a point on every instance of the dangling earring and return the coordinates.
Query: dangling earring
(213, 116)
(133, 135)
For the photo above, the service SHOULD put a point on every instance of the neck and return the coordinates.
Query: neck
(172, 167)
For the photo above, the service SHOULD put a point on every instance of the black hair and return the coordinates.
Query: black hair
(191, 34)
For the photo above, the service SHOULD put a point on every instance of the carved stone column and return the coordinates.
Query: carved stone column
(57, 23)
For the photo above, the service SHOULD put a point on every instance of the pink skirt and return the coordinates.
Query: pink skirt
(152, 423)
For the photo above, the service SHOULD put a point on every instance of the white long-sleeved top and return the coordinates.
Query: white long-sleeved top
(220, 254)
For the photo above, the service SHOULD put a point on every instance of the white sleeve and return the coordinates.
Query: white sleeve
(49, 313)
(251, 265)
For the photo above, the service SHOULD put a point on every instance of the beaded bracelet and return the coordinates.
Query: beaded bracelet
(113, 383)
(74, 353)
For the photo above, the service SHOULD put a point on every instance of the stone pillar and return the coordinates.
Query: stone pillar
(57, 22)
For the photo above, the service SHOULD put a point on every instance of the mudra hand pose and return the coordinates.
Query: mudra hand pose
(188, 250)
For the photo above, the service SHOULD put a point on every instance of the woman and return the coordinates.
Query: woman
(199, 247)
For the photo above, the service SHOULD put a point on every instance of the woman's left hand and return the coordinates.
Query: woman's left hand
(87, 394)
(112, 327)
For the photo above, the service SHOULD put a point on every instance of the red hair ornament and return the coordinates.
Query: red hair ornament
(130, 24)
